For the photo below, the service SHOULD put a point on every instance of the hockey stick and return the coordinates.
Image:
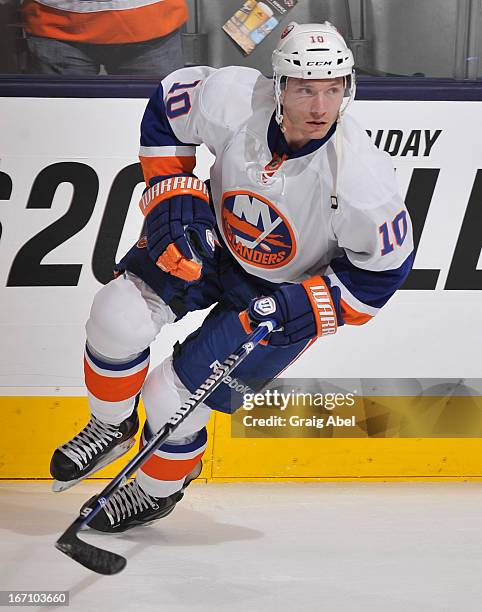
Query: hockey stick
(251, 244)
(104, 561)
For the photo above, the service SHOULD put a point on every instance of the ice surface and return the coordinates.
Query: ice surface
(252, 547)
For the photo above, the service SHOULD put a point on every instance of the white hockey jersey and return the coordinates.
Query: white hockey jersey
(273, 206)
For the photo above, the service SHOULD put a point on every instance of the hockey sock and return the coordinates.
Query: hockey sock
(113, 386)
(164, 472)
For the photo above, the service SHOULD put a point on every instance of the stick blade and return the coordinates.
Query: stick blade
(93, 558)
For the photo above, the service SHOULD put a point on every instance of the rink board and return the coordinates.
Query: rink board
(33, 426)
(86, 181)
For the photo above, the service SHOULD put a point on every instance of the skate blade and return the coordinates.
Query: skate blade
(62, 485)
(123, 531)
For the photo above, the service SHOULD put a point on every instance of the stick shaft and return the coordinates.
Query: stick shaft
(203, 392)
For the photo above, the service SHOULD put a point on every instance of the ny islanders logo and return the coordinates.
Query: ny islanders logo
(256, 231)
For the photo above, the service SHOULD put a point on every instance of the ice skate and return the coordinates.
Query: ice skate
(97, 445)
(130, 506)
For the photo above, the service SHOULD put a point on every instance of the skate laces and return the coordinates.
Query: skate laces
(128, 500)
(93, 439)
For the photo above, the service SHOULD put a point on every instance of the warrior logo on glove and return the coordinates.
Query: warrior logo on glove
(303, 311)
(264, 306)
(210, 239)
(179, 225)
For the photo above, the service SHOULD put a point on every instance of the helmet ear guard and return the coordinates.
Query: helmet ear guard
(312, 51)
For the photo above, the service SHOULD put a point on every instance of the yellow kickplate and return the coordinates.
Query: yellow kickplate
(393, 449)
(32, 427)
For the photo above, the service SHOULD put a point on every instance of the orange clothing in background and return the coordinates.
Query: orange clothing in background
(105, 22)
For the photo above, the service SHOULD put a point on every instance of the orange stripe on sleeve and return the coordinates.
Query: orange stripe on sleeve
(162, 166)
(352, 316)
(113, 389)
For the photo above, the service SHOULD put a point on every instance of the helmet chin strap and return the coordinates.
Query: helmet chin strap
(338, 155)
(277, 96)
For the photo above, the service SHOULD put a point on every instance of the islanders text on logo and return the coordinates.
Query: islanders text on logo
(256, 231)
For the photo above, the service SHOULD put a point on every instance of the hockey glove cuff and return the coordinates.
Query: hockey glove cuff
(303, 311)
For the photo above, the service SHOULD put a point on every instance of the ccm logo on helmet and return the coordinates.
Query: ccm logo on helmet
(324, 63)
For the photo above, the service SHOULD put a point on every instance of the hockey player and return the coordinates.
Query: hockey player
(301, 222)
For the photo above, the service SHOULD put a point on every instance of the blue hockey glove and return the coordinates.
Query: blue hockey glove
(303, 311)
(179, 225)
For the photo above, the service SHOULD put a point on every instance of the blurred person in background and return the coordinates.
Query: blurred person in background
(77, 37)
(9, 36)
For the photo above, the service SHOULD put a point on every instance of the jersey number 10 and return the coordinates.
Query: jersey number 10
(399, 230)
(180, 104)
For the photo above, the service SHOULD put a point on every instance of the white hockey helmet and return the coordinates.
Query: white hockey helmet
(312, 51)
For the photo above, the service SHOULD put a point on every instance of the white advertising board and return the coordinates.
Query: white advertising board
(69, 187)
